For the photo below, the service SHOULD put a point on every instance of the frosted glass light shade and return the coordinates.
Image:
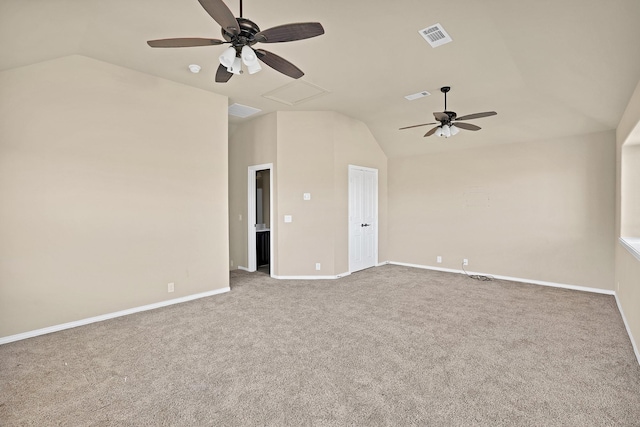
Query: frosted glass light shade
(254, 68)
(228, 57)
(248, 56)
(236, 67)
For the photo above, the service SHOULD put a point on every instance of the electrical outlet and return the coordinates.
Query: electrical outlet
(438, 259)
(465, 262)
(231, 263)
(317, 266)
(170, 287)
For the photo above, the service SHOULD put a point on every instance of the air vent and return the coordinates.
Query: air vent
(435, 35)
(243, 111)
(417, 95)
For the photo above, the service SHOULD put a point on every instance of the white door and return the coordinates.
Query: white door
(363, 218)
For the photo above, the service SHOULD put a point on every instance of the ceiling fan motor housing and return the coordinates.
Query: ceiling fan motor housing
(248, 29)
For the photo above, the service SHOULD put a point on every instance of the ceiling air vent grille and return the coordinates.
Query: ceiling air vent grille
(243, 111)
(417, 95)
(435, 35)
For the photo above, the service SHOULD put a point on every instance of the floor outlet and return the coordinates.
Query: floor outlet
(465, 262)
(317, 266)
(438, 259)
(170, 287)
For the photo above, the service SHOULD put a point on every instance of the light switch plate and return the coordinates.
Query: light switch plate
(288, 218)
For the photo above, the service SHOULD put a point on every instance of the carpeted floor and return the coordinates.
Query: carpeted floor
(391, 346)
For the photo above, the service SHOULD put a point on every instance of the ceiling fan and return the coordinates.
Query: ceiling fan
(450, 123)
(241, 34)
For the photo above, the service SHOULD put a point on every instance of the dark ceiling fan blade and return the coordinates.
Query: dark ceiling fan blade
(441, 116)
(222, 15)
(467, 126)
(432, 131)
(290, 32)
(415, 126)
(222, 75)
(279, 64)
(477, 115)
(184, 42)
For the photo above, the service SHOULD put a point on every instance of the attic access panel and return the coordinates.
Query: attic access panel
(295, 93)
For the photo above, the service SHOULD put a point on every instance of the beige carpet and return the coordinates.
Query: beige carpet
(390, 346)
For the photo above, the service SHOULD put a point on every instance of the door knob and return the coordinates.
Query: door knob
(364, 225)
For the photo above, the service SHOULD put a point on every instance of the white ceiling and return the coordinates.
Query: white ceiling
(549, 68)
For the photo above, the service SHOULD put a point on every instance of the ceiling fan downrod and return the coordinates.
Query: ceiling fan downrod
(444, 90)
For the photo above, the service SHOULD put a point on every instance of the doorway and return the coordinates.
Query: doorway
(363, 218)
(259, 218)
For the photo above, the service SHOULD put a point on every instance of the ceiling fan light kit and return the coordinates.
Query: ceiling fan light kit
(450, 123)
(250, 59)
(236, 67)
(241, 34)
(227, 57)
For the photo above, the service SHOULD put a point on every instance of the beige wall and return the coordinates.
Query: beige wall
(539, 211)
(630, 190)
(311, 152)
(251, 143)
(262, 183)
(627, 268)
(305, 165)
(113, 183)
(314, 151)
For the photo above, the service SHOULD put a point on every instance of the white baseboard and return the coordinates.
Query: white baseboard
(244, 269)
(82, 322)
(337, 276)
(626, 325)
(512, 279)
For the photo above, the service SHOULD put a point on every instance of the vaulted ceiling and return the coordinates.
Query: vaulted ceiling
(549, 68)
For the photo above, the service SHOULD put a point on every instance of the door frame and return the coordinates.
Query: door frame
(375, 207)
(251, 215)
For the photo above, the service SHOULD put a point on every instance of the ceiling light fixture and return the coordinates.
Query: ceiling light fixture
(232, 60)
(236, 67)
(194, 68)
(250, 59)
(228, 56)
(447, 131)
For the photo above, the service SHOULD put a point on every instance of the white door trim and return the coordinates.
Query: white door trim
(375, 207)
(251, 214)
